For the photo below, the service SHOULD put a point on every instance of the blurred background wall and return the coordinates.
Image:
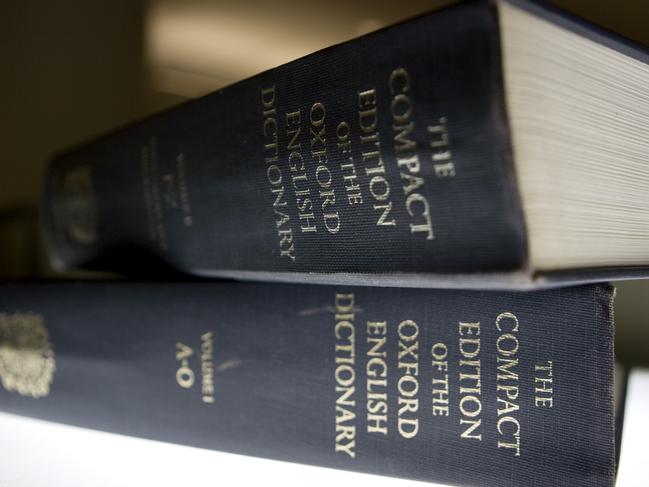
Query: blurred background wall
(74, 69)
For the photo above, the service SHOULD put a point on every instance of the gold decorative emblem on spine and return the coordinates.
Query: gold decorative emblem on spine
(80, 205)
(27, 362)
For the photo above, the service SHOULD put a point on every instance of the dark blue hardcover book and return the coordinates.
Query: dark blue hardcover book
(488, 144)
(460, 387)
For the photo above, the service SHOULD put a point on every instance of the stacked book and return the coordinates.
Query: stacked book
(441, 200)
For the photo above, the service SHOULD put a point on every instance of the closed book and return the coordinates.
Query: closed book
(496, 144)
(458, 387)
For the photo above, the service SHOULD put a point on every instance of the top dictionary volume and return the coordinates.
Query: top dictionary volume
(492, 144)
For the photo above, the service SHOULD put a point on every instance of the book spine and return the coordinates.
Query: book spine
(465, 388)
(387, 154)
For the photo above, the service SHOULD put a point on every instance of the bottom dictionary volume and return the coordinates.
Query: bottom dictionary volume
(456, 387)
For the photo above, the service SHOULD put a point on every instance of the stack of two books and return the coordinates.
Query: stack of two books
(494, 150)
